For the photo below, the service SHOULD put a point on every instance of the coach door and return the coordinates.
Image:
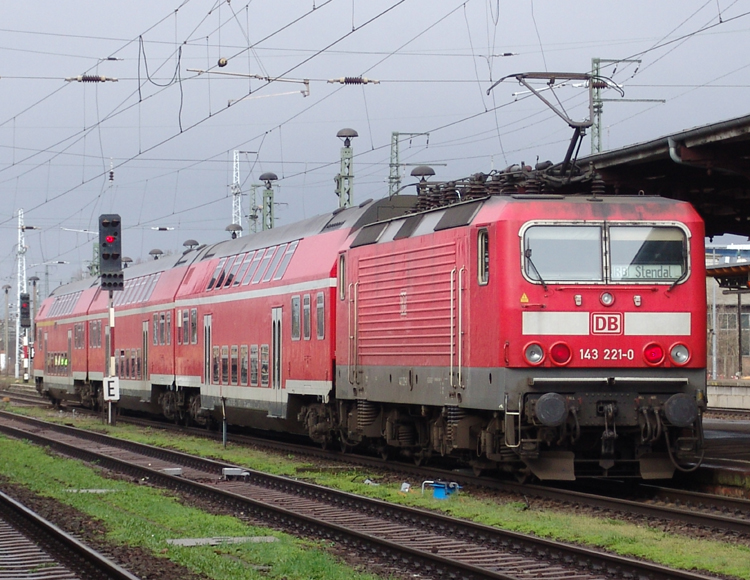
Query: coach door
(68, 360)
(144, 346)
(276, 407)
(207, 349)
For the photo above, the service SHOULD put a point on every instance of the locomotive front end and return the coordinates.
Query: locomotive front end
(607, 362)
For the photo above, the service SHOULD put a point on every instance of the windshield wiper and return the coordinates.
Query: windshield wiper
(527, 255)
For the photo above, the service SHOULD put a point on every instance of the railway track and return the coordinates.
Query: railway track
(24, 396)
(640, 499)
(31, 547)
(430, 544)
(666, 503)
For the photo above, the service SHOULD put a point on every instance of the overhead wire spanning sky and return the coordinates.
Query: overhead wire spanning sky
(169, 133)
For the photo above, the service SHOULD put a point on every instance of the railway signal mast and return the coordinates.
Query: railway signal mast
(22, 326)
(111, 279)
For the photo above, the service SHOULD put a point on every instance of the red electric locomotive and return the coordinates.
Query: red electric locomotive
(556, 334)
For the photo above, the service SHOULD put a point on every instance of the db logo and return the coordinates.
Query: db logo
(610, 323)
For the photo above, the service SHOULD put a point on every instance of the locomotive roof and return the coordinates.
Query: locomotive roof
(464, 213)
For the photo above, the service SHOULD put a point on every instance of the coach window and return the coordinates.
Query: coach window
(647, 253)
(186, 326)
(274, 263)
(254, 365)
(264, 264)
(138, 363)
(285, 262)
(233, 271)
(156, 329)
(224, 365)
(241, 272)
(253, 267)
(320, 312)
(264, 350)
(295, 317)
(243, 364)
(215, 365)
(483, 257)
(566, 253)
(233, 368)
(178, 322)
(169, 328)
(306, 326)
(219, 268)
(162, 328)
(194, 326)
(342, 277)
(224, 273)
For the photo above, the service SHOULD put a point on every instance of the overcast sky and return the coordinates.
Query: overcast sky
(170, 133)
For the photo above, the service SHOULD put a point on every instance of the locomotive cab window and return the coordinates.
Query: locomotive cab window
(342, 277)
(647, 253)
(606, 252)
(483, 257)
(570, 253)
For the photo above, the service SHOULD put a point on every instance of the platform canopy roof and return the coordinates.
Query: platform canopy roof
(734, 276)
(707, 166)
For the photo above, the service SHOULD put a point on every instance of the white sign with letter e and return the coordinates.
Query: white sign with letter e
(111, 388)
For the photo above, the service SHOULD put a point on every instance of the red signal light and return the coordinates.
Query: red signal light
(110, 239)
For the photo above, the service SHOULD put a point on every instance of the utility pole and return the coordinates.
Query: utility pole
(20, 289)
(236, 193)
(597, 102)
(345, 179)
(394, 173)
(6, 343)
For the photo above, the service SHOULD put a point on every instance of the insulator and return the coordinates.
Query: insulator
(111, 175)
(92, 79)
(532, 186)
(367, 412)
(600, 84)
(597, 186)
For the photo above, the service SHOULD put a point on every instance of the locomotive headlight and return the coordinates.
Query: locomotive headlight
(607, 299)
(679, 354)
(534, 353)
(653, 353)
(681, 410)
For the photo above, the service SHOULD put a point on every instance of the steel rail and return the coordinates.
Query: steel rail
(63, 547)
(591, 560)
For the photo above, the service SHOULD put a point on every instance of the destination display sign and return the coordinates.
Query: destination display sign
(647, 272)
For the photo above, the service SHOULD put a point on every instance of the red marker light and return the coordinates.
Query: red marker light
(110, 239)
(560, 353)
(653, 354)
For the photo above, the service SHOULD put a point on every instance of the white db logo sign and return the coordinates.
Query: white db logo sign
(610, 323)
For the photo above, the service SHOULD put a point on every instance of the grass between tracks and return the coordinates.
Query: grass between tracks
(136, 515)
(642, 541)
